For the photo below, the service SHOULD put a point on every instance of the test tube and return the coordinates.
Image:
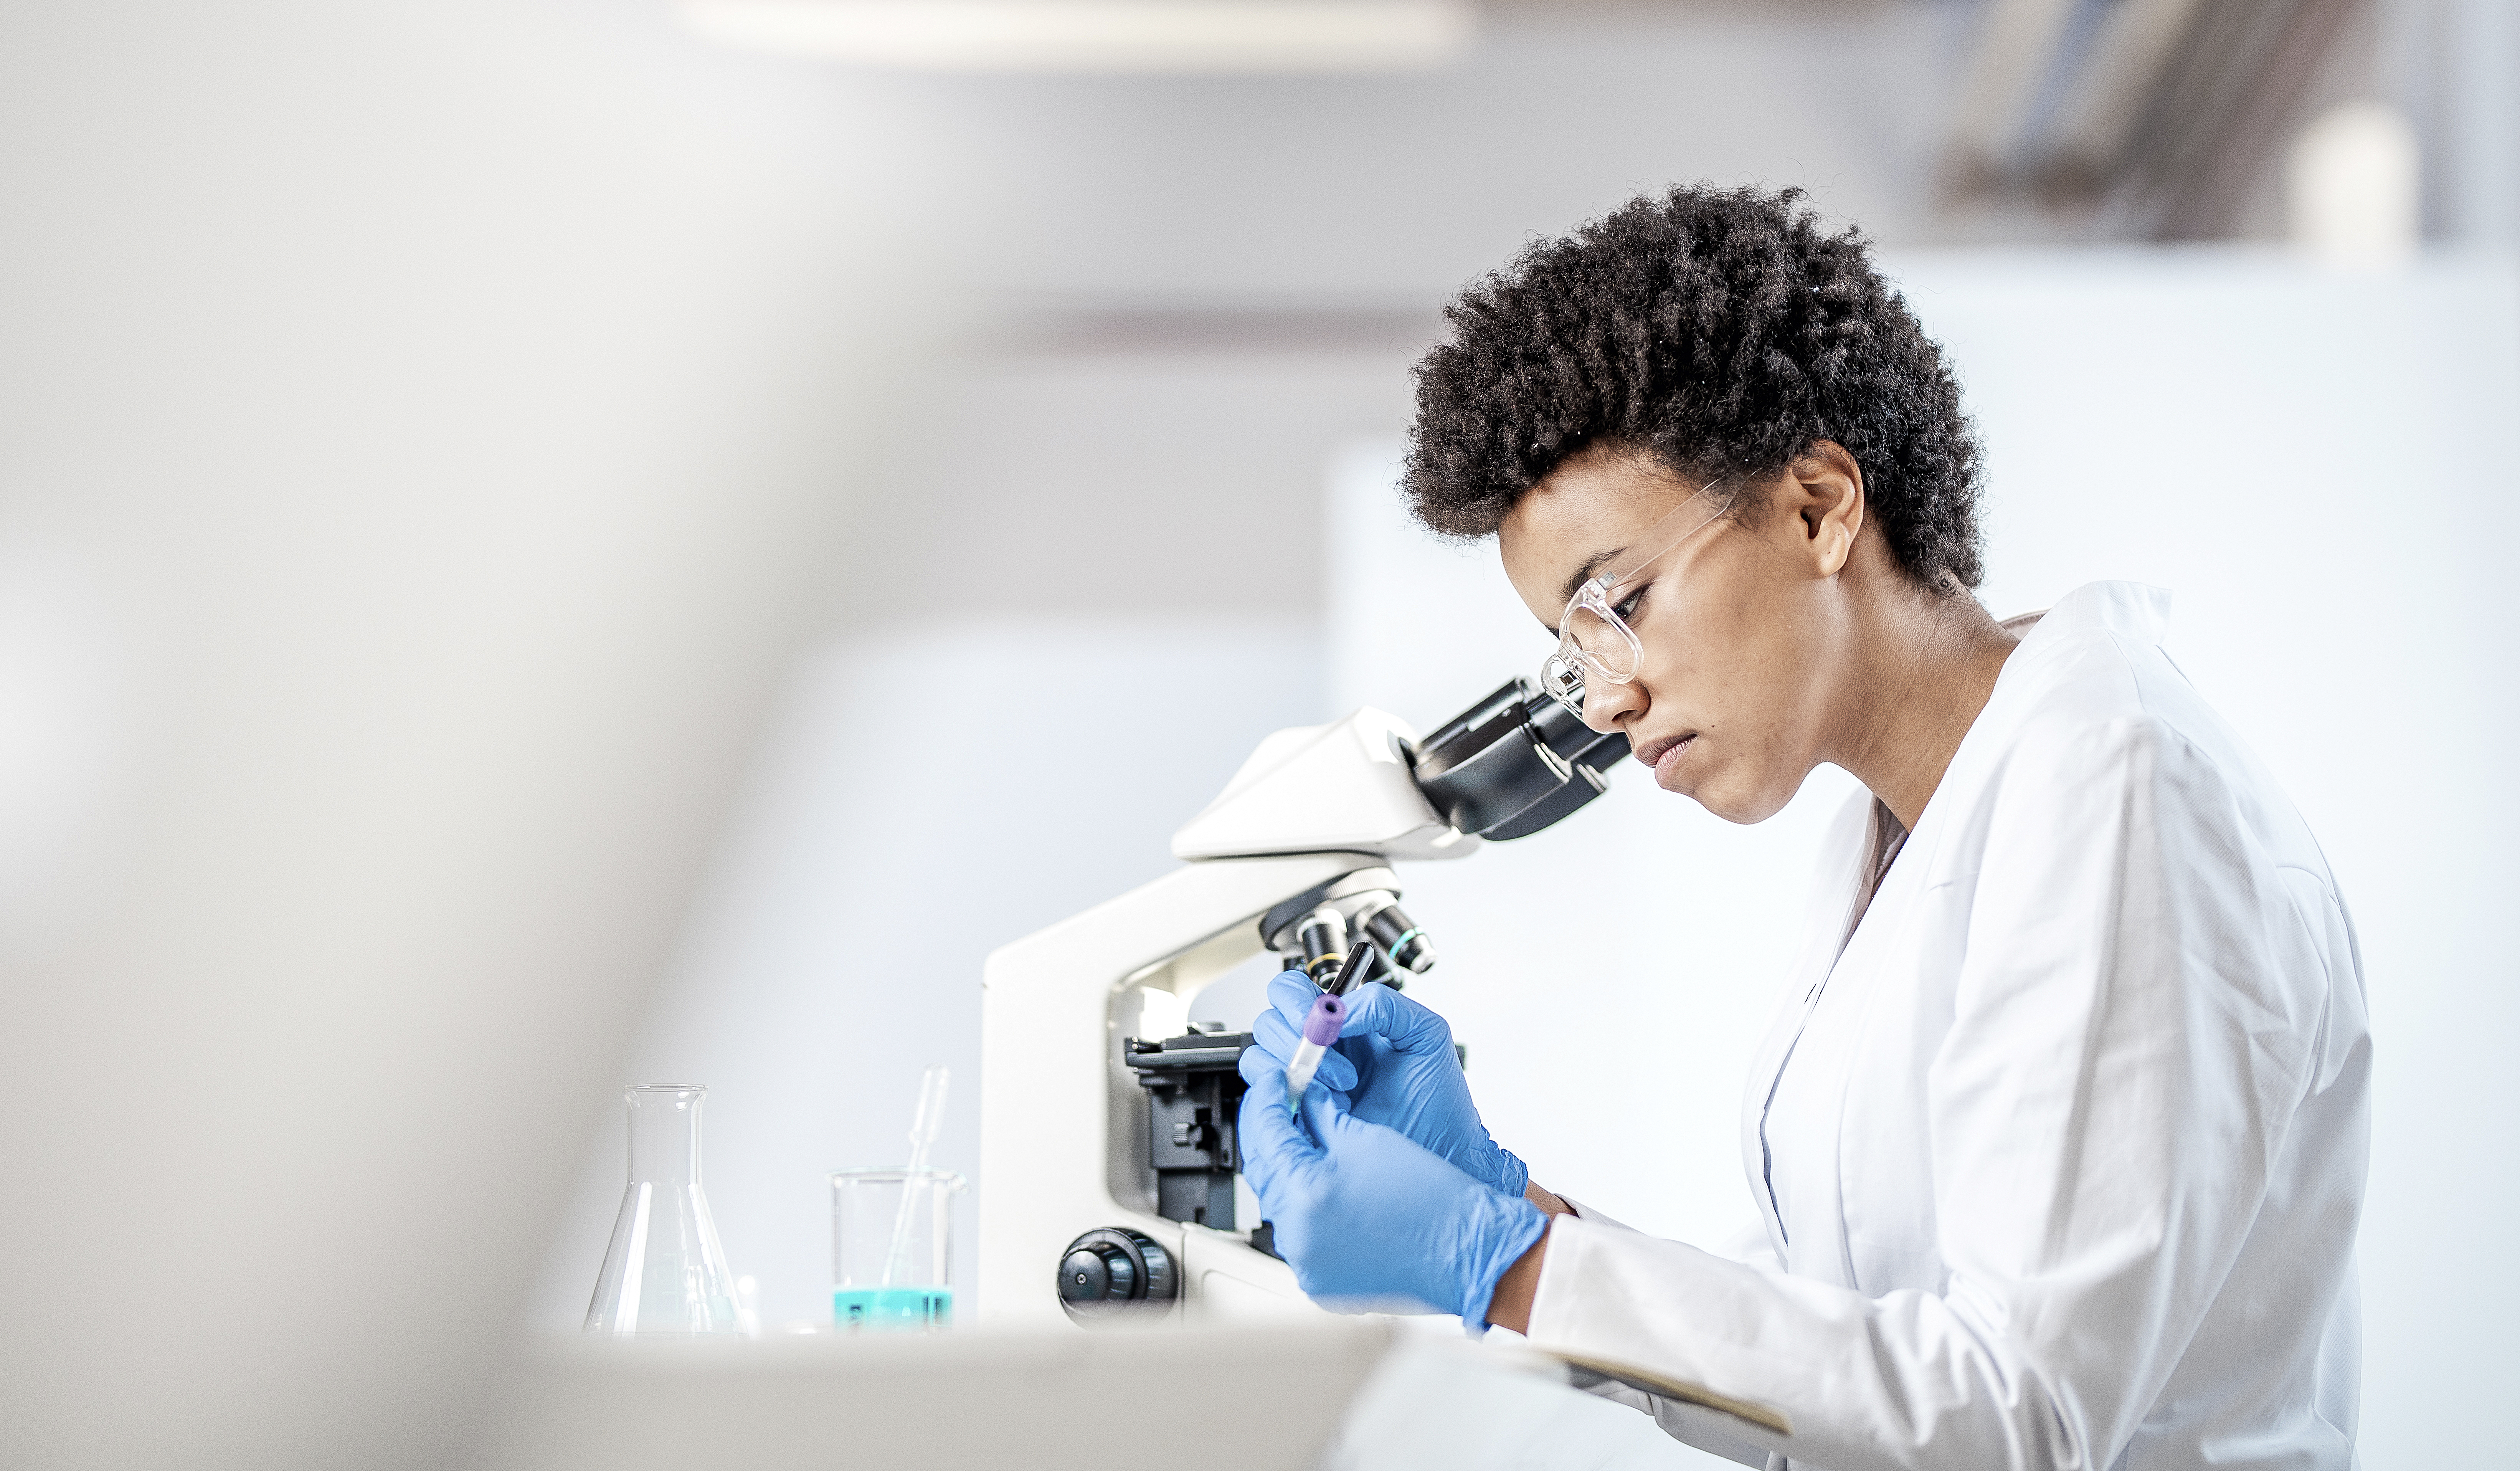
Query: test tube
(1320, 1029)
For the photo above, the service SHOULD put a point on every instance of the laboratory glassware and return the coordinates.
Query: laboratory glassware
(892, 1248)
(665, 1274)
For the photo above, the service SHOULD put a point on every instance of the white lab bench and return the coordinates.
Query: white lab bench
(1363, 1395)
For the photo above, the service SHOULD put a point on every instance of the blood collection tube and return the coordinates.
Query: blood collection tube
(1320, 1029)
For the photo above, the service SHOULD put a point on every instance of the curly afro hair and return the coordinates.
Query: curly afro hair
(1723, 333)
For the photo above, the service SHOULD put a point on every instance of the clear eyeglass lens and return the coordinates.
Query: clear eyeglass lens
(1562, 680)
(1605, 644)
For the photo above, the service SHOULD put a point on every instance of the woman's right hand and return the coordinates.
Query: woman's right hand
(1394, 1060)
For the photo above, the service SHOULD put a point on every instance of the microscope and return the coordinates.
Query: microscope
(1108, 1150)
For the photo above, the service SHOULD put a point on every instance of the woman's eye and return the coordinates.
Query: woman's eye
(1627, 606)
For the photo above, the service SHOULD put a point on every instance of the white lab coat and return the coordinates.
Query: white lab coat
(2059, 1155)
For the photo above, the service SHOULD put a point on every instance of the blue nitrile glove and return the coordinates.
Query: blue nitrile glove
(1394, 1060)
(1367, 1217)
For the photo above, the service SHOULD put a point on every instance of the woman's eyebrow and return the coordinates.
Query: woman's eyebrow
(1584, 569)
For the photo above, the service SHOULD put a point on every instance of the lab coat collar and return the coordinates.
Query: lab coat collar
(2137, 610)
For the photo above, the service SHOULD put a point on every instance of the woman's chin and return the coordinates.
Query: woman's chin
(1734, 800)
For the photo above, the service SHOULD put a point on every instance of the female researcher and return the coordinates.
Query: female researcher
(2057, 1138)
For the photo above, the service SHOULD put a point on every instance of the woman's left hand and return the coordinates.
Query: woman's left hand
(1368, 1220)
(1395, 1063)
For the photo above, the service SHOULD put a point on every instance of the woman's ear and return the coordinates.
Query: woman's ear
(1828, 487)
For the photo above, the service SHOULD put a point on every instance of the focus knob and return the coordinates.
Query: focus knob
(1106, 1272)
(1090, 1277)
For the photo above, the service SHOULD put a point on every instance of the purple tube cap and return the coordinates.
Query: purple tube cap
(1322, 1027)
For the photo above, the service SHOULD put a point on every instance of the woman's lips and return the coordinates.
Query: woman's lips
(1670, 758)
(1663, 754)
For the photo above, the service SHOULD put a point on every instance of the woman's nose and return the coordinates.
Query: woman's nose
(1604, 703)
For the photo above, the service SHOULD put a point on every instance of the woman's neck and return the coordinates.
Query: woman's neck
(1927, 665)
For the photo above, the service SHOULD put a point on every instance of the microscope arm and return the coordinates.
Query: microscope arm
(1063, 1119)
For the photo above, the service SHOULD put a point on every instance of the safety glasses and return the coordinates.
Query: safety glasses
(1593, 639)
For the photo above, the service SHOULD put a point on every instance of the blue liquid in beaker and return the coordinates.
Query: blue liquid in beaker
(917, 1309)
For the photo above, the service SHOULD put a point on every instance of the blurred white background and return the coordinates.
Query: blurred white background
(538, 551)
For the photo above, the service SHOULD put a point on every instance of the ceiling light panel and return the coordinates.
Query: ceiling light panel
(1123, 37)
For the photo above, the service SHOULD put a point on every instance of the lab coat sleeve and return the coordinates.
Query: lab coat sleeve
(1590, 1214)
(2130, 1038)
(1682, 1422)
(1749, 1244)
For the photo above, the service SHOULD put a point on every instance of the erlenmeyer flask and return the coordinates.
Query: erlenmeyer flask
(665, 1274)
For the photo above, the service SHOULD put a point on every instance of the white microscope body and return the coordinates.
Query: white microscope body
(1073, 1223)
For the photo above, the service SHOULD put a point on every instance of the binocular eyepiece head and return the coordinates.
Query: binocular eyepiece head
(1513, 764)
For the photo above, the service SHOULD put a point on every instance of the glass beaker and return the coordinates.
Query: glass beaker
(664, 1275)
(892, 1248)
